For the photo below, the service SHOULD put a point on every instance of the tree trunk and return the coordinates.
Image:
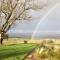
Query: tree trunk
(1, 38)
(1, 41)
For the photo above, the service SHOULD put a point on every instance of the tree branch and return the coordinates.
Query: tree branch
(6, 23)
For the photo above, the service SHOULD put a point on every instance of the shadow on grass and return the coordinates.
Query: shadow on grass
(13, 54)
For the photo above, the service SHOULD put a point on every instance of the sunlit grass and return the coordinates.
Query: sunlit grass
(48, 51)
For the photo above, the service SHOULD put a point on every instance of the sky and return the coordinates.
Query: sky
(45, 23)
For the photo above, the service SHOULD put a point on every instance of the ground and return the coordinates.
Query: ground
(46, 51)
(15, 49)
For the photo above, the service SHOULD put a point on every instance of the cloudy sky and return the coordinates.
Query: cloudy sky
(44, 23)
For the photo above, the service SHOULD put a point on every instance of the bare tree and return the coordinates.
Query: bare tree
(10, 11)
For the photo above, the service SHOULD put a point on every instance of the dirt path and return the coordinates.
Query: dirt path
(30, 55)
(33, 57)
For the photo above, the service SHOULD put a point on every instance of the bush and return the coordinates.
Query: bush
(25, 42)
(50, 41)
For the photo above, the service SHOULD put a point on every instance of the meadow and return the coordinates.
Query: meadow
(15, 51)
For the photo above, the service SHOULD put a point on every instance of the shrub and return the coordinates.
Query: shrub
(50, 41)
(25, 42)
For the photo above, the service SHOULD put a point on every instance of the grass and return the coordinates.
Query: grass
(15, 52)
(48, 51)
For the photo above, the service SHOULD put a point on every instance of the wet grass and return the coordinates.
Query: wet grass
(15, 51)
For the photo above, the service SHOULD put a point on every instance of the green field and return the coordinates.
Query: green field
(15, 52)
